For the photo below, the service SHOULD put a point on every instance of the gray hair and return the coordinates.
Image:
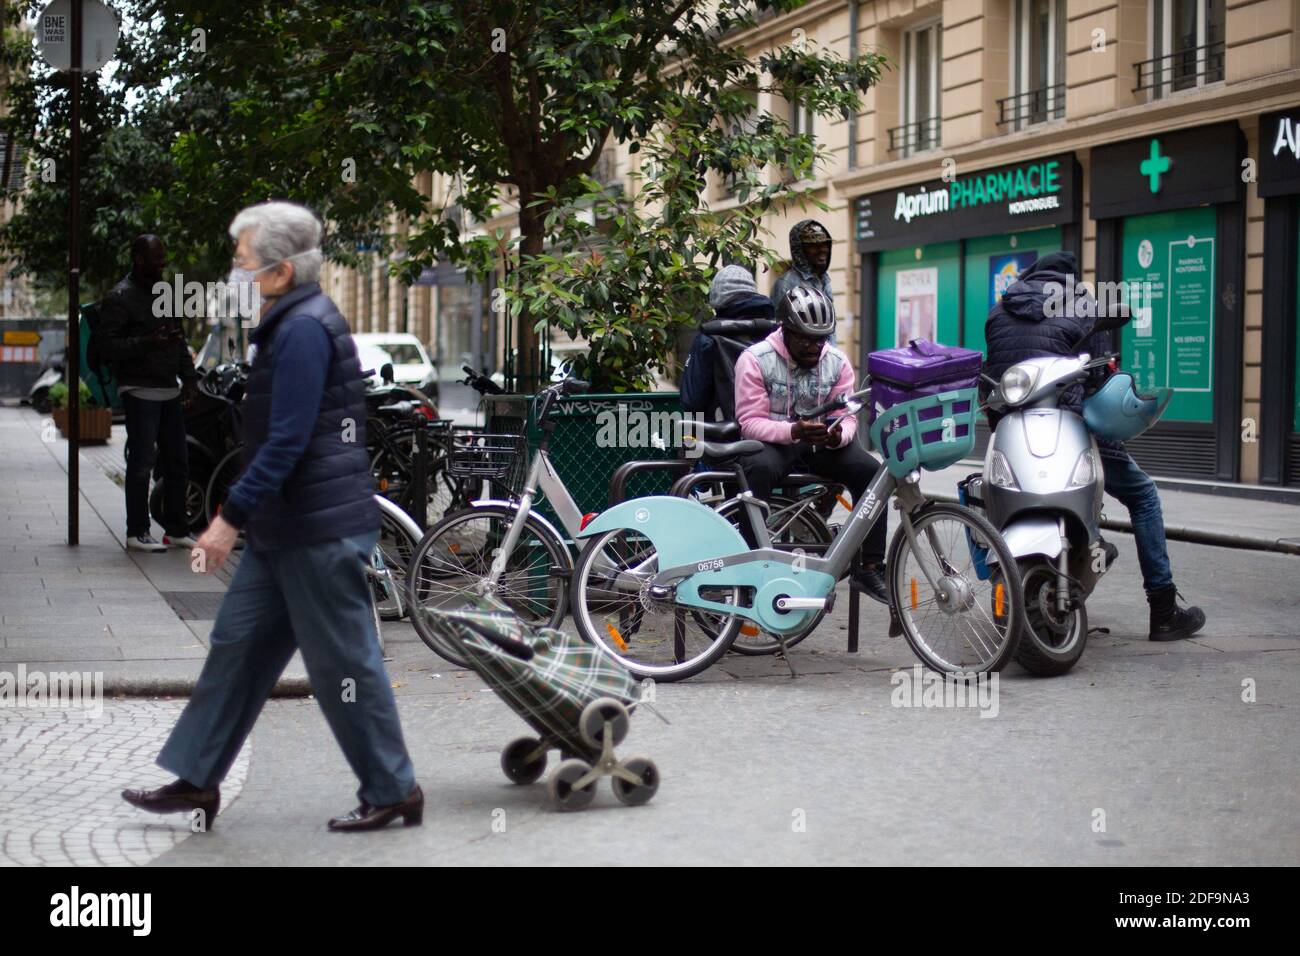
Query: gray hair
(283, 230)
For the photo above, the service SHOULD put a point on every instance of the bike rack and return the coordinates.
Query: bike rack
(618, 481)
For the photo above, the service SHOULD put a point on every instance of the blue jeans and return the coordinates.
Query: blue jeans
(315, 598)
(155, 432)
(1137, 492)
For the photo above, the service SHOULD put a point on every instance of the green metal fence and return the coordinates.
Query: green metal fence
(594, 434)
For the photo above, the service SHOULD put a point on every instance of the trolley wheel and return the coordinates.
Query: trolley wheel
(591, 724)
(521, 762)
(635, 794)
(560, 785)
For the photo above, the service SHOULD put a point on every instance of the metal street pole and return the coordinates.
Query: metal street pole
(74, 286)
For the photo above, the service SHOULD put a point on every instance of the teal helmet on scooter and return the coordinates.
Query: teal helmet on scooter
(1118, 411)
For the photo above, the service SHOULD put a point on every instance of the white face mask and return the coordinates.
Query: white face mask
(244, 289)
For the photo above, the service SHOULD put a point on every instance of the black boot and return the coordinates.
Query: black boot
(1169, 622)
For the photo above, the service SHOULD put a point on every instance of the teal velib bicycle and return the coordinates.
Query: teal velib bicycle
(664, 583)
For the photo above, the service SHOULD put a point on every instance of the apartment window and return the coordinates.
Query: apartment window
(801, 120)
(746, 124)
(1038, 48)
(922, 54)
(1187, 46)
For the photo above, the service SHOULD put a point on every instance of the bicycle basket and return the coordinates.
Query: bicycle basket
(477, 454)
(931, 432)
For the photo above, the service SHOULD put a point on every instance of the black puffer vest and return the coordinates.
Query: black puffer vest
(330, 493)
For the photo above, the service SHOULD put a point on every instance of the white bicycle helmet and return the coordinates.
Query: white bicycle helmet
(807, 311)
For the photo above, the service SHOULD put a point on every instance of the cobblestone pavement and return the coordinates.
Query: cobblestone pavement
(61, 774)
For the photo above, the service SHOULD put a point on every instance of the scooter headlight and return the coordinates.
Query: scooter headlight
(1017, 382)
(1085, 470)
(1000, 473)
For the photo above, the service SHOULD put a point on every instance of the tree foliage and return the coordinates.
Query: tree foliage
(343, 105)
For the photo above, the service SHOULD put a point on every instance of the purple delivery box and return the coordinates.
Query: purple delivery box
(918, 369)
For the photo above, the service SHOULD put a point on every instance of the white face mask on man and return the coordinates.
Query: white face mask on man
(244, 289)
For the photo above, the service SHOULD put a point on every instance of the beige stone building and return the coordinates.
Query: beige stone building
(1157, 139)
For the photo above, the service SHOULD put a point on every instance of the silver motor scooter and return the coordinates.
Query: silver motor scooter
(1042, 488)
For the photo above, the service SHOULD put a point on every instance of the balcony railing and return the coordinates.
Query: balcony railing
(914, 137)
(1032, 106)
(1183, 69)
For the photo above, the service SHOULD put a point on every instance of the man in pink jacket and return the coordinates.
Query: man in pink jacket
(792, 371)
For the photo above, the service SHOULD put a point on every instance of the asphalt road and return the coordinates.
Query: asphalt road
(1144, 754)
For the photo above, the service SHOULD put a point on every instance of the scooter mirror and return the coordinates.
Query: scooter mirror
(1116, 317)
(386, 373)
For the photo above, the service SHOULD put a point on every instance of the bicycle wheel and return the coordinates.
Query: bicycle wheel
(456, 557)
(791, 522)
(227, 472)
(375, 614)
(614, 609)
(966, 624)
(396, 547)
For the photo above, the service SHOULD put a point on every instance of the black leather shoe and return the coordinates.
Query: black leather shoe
(872, 582)
(178, 797)
(367, 817)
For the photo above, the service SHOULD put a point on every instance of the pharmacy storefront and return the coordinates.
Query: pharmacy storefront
(1279, 187)
(1171, 241)
(936, 256)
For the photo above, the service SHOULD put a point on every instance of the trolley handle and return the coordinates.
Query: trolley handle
(508, 644)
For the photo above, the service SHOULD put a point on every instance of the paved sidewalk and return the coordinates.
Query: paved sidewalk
(142, 620)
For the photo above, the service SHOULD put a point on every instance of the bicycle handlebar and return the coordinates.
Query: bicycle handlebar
(480, 383)
(835, 403)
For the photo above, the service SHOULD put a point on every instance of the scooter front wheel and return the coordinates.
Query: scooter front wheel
(1050, 643)
(958, 615)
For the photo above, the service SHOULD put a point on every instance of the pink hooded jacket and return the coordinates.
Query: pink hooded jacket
(753, 408)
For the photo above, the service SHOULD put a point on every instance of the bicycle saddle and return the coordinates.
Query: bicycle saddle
(746, 446)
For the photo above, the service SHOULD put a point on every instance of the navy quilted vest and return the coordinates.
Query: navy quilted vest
(330, 494)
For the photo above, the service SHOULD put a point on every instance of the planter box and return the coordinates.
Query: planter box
(96, 424)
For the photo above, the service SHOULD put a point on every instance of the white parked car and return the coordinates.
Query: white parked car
(411, 365)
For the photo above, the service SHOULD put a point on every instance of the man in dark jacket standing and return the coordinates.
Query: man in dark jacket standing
(810, 258)
(148, 355)
(306, 502)
(1023, 326)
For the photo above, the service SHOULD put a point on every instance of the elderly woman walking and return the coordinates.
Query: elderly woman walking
(305, 502)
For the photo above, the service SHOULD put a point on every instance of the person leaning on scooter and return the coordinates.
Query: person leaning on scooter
(1022, 326)
(790, 373)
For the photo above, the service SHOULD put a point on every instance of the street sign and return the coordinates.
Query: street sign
(99, 33)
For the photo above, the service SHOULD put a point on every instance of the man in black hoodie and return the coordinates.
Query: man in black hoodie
(1022, 326)
(148, 354)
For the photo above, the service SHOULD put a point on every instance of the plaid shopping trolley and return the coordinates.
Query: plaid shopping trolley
(577, 698)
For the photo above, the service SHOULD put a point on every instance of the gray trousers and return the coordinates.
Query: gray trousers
(314, 598)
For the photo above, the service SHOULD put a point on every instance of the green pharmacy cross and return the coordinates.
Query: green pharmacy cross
(1155, 166)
